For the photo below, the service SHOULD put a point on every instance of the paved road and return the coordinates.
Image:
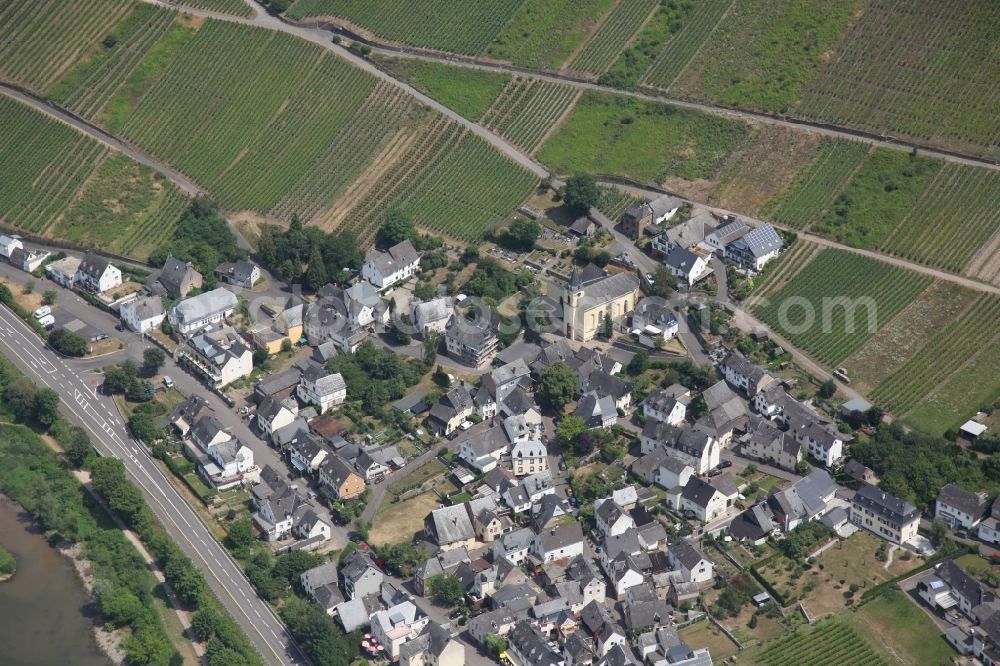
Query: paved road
(98, 415)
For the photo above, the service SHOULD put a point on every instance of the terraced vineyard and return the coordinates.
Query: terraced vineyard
(681, 48)
(615, 201)
(527, 109)
(762, 55)
(955, 215)
(818, 186)
(60, 182)
(942, 91)
(86, 87)
(828, 644)
(838, 301)
(233, 7)
(40, 39)
(543, 33)
(469, 27)
(954, 343)
(449, 181)
(603, 47)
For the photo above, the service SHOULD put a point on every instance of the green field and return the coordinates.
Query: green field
(817, 187)
(632, 64)
(62, 183)
(603, 47)
(467, 92)
(527, 109)
(829, 643)
(38, 40)
(878, 198)
(614, 202)
(814, 322)
(933, 58)
(961, 339)
(642, 140)
(679, 50)
(462, 27)
(543, 33)
(903, 630)
(955, 215)
(762, 55)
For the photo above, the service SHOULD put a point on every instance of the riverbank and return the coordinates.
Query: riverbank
(109, 642)
(46, 611)
(8, 565)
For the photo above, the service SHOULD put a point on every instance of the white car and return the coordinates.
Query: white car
(167, 381)
(47, 321)
(466, 425)
(43, 311)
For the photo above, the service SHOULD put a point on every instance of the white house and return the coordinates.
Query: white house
(686, 265)
(705, 500)
(731, 230)
(142, 314)
(528, 457)
(611, 519)
(960, 508)
(10, 243)
(884, 515)
(274, 414)
(97, 274)
(230, 462)
(220, 356)
(668, 405)
(202, 310)
(690, 561)
(692, 444)
(322, 389)
(384, 269)
(756, 248)
(514, 545)
(557, 543)
(431, 316)
(63, 271)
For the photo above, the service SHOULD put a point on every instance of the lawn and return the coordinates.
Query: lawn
(400, 521)
(705, 634)
(902, 631)
(642, 140)
(820, 588)
(430, 469)
(467, 92)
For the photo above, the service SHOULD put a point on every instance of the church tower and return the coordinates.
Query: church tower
(570, 301)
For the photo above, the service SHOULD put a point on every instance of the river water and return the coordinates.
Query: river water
(42, 618)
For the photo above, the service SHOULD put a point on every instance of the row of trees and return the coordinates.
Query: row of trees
(203, 238)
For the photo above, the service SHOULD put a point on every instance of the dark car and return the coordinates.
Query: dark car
(715, 472)
(725, 463)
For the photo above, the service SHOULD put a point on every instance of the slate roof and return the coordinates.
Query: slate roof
(730, 231)
(561, 536)
(692, 231)
(451, 524)
(173, 273)
(891, 508)
(698, 492)
(605, 384)
(204, 305)
(686, 553)
(395, 259)
(595, 409)
(973, 504)
(681, 259)
(532, 646)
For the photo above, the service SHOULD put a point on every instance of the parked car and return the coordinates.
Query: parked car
(715, 472)
(43, 311)
(47, 321)
(167, 381)
(725, 463)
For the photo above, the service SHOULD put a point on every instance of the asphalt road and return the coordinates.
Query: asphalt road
(99, 416)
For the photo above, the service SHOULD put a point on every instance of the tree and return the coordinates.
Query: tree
(697, 407)
(938, 532)
(639, 363)
(440, 377)
(557, 385)
(316, 273)
(570, 429)
(874, 416)
(153, 359)
(206, 624)
(581, 193)
(46, 406)
(144, 427)
(827, 389)
(445, 588)
(20, 398)
(397, 228)
(664, 283)
(29, 286)
(607, 326)
(68, 343)
(49, 297)
(186, 581)
(77, 445)
(399, 333)
(139, 390)
(522, 234)
(495, 645)
(431, 341)
(120, 607)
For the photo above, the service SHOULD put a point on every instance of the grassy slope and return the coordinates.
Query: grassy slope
(543, 33)
(467, 92)
(646, 141)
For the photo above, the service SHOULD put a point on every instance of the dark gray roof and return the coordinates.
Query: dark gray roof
(686, 553)
(561, 536)
(173, 274)
(532, 646)
(681, 259)
(698, 492)
(891, 508)
(973, 504)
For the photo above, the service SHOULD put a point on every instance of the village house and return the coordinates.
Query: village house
(692, 444)
(219, 356)
(528, 457)
(97, 274)
(323, 389)
(770, 445)
(744, 375)
(885, 516)
(273, 414)
(685, 265)
(667, 405)
(960, 508)
(448, 413)
(708, 500)
(197, 312)
(592, 296)
(285, 328)
(370, 468)
(605, 631)
(597, 411)
(989, 529)
(732, 229)
(688, 234)
(142, 314)
(29, 261)
(530, 648)
(307, 454)
(434, 647)
(514, 545)
(178, 278)
(472, 342)
(242, 273)
(360, 574)
(556, 543)
(396, 626)
(8, 244)
(607, 385)
(338, 479)
(659, 210)
(321, 584)
(385, 269)
(653, 321)
(859, 472)
(692, 564)
(755, 248)
(484, 451)
(431, 316)
(62, 271)
(951, 587)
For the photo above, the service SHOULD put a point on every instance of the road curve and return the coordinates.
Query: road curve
(108, 432)
(323, 38)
